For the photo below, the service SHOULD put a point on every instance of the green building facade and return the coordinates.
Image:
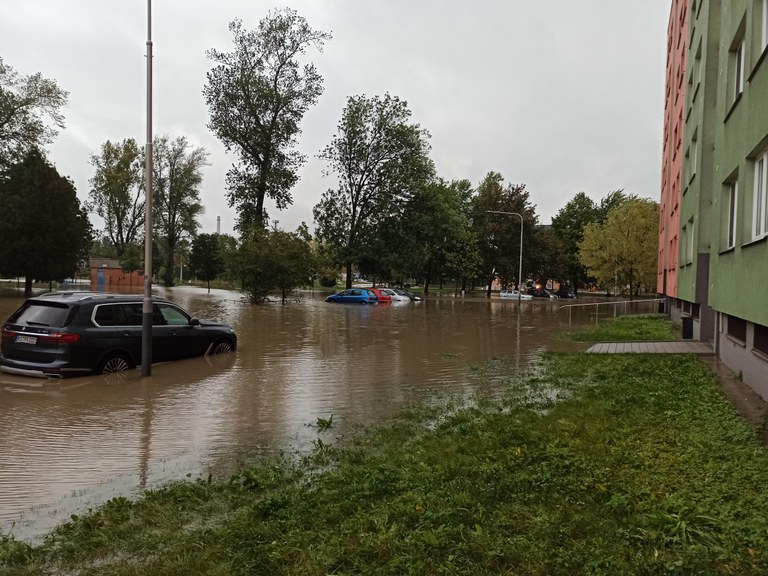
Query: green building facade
(723, 253)
(698, 166)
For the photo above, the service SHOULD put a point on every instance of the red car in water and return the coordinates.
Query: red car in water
(382, 295)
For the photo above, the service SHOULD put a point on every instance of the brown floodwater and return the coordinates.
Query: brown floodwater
(70, 445)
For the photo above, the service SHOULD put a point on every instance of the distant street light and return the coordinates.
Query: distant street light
(520, 268)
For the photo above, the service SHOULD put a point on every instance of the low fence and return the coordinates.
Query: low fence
(617, 308)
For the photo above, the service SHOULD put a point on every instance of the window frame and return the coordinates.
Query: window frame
(739, 69)
(764, 23)
(759, 201)
(731, 216)
(736, 328)
(691, 243)
(760, 338)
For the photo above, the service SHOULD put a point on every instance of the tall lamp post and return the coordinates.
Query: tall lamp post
(520, 268)
(146, 321)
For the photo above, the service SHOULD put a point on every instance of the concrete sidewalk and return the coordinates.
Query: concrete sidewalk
(687, 347)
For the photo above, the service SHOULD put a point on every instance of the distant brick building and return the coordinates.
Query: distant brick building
(108, 276)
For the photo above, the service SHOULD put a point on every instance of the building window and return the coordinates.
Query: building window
(759, 195)
(684, 240)
(694, 151)
(764, 20)
(690, 245)
(697, 67)
(760, 338)
(732, 205)
(738, 84)
(737, 328)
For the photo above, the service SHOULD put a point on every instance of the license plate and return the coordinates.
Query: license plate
(21, 339)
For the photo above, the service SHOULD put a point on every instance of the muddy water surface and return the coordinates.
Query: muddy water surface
(66, 446)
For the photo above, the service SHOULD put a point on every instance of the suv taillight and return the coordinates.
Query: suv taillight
(7, 333)
(60, 338)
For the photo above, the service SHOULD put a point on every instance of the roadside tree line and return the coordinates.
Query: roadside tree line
(388, 215)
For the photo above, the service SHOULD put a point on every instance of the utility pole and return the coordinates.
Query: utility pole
(146, 321)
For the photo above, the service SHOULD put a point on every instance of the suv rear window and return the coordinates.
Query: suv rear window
(51, 314)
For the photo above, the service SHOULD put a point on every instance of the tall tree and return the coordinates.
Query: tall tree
(379, 157)
(176, 202)
(623, 250)
(499, 234)
(206, 259)
(117, 192)
(44, 233)
(569, 225)
(256, 97)
(431, 227)
(30, 112)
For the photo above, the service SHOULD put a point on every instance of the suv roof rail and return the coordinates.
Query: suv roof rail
(79, 294)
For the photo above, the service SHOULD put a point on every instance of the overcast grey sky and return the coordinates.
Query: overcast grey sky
(560, 95)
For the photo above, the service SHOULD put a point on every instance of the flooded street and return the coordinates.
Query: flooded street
(70, 445)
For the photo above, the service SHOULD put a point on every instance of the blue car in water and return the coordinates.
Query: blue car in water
(354, 296)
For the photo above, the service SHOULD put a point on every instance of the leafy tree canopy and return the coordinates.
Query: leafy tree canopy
(116, 193)
(499, 234)
(622, 251)
(256, 97)
(30, 112)
(569, 225)
(380, 158)
(206, 260)
(44, 232)
(274, 260)
(176, 199)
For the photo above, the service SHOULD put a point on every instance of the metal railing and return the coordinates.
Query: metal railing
(629, 307)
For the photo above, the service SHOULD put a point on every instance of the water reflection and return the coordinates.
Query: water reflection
(69, 445)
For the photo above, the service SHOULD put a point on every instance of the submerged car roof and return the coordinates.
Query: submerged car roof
(83, 296)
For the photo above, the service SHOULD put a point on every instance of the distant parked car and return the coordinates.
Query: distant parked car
(565, 292)
(413, 297)
(395, 296)
(354, 296)
(542, 293)
(77, 333)
(515, 294)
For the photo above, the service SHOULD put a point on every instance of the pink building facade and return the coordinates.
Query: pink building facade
(672, 154)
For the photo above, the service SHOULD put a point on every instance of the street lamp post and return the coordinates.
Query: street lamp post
(520, 268)
(146, 323)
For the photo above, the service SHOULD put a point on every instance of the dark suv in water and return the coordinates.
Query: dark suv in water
(75, 333)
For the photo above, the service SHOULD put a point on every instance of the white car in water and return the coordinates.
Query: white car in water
(396, 296)
(515, 294)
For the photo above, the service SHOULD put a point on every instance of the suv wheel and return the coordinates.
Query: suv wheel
(114, 363)
(222, 347)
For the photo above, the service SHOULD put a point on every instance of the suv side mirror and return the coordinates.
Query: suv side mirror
(194, 322)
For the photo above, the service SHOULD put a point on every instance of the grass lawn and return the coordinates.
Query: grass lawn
(590, 464)
(649, 328)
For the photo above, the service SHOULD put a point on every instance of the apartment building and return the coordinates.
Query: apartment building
(722, 252)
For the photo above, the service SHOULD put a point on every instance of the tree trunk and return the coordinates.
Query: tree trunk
(27, 286)
(349, 275)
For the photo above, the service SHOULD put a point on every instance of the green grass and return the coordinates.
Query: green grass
(650, 327)
(590, 464)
